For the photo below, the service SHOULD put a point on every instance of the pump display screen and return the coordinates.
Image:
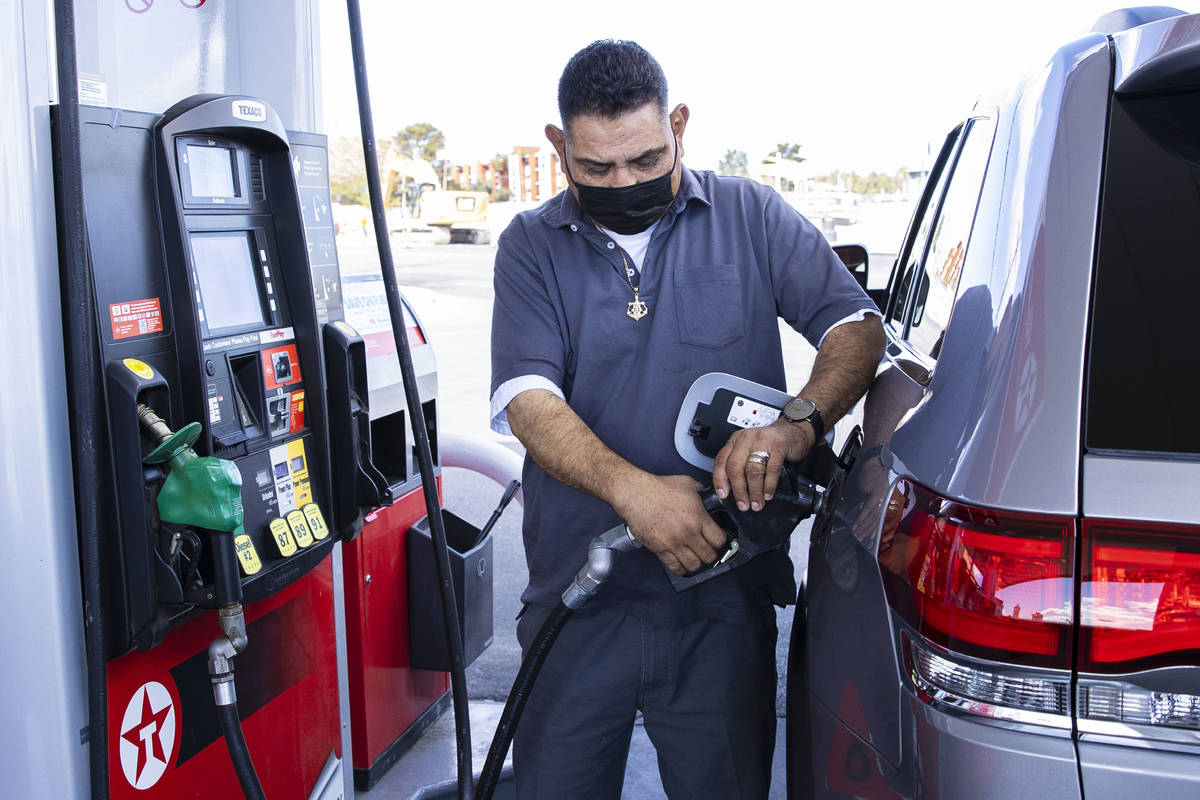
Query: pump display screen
(211, 171)
(227, 279)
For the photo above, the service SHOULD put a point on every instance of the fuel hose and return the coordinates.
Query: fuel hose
(86, 411)
(531, 665)
(437, 527)
(239, 754)
(587, 582)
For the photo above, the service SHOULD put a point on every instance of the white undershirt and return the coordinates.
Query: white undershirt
(634, 244)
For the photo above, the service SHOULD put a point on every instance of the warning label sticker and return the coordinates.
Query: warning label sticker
(746, 413)
(297, 411)
(136, 318)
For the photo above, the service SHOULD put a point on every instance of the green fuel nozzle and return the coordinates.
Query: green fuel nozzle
(200, 492)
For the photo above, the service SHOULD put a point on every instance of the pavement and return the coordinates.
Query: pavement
(450, 289)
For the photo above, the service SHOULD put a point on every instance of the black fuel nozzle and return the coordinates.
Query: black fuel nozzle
(753, 533)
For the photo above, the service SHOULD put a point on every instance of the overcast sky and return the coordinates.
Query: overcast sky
(860, 85)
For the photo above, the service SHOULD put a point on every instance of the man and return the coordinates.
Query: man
(610, 300)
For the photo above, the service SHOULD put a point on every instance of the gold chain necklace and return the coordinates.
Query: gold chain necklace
(636, 309)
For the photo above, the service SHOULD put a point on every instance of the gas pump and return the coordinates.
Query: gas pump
(226, 425)
(223, 411)
(205, 232)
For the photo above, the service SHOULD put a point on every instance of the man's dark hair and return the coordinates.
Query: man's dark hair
(609, 78)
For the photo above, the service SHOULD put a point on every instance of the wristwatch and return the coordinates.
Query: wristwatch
(800, 409)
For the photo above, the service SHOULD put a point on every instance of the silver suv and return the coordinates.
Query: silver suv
(1003, 595)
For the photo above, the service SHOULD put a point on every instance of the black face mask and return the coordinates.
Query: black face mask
(628, 209)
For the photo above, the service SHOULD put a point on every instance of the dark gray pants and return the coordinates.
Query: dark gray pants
(706, 691)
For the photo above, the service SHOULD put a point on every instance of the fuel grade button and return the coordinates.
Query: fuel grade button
(247, 555)
(316, 522)
(300, 530)
(281, 534)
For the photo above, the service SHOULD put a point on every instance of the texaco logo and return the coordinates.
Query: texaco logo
(147, 735)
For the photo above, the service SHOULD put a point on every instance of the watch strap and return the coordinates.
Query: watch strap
(818, 424)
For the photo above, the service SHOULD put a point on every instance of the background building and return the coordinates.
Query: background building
(535, 174)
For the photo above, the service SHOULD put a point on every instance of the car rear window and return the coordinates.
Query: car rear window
(1142, 392)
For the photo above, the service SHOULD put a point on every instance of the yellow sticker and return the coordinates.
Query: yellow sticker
(316, 522)
(282, 535)
(300, 528)
(246, 554)
(139, 368)
(298, 466)
(345, 328)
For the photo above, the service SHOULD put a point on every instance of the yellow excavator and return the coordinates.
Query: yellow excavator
(452, 216)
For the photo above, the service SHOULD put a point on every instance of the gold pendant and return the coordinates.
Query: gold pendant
(637, 309)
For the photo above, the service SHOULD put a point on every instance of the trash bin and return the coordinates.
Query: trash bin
(471, 569)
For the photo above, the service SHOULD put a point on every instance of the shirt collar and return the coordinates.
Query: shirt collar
(564, 209)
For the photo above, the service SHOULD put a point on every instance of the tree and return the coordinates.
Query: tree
(787, 150)
(347, 177)
(733, 163)
(420, 140)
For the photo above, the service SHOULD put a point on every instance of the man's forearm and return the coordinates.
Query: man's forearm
(664, 513)
(844, 367)
(567, 449)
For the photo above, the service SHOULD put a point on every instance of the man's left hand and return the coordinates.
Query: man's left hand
(753, 483)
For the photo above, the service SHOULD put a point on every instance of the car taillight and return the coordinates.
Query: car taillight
(1139, 610)
(1140, 598)
(1105, 702)
(987, 689)
(989, 584)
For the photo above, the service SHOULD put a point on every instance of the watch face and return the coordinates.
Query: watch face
(798, 409)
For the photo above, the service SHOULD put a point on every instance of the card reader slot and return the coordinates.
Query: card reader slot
(248, 392)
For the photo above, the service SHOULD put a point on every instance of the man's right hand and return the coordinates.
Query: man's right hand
(666, 515)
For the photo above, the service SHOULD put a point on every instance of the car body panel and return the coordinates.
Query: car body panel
(957, 757)
(944, 434)
(1114, 772)
(1119, 486)
(1007, 392)
(1159, 56)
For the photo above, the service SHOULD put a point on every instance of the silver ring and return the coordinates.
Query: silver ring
(758, 457)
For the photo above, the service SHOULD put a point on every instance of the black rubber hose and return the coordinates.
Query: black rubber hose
(82, 355)
(239, 754)
(227, 580)
(531, 665)
(437, 528)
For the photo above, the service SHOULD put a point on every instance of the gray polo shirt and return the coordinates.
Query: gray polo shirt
(726, 259)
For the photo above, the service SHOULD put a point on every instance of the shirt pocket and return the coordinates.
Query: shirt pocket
(708, 305)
